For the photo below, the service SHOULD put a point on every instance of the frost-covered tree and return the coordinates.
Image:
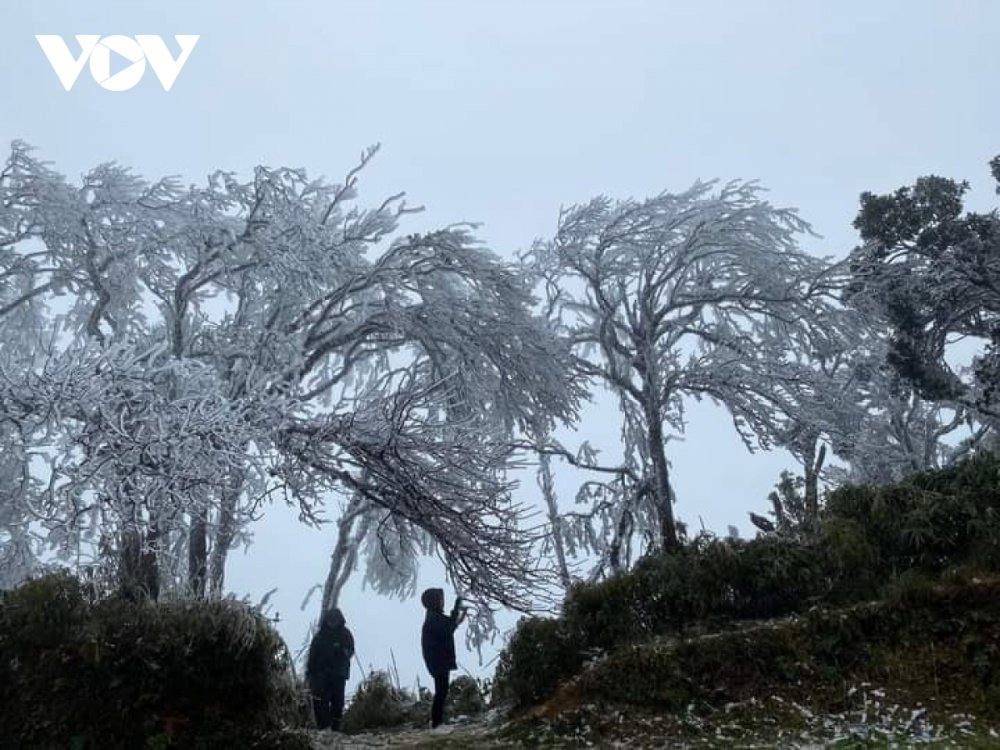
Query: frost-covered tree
(848, 400)
(934, 273)
(902, 433)
(701, 294)
(822, 392)
(886, 429)
(116, 399)
(328, 356)
(126, 445)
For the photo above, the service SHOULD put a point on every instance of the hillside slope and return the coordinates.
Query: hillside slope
(922, 666)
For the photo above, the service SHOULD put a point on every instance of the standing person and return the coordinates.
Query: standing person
(437, 640)
(328, 667)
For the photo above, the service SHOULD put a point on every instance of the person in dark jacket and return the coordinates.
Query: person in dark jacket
(328, 667)
(438, 643)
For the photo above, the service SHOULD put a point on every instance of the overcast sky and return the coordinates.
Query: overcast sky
(500, 112)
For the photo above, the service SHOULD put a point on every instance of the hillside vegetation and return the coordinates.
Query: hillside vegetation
(882, 621)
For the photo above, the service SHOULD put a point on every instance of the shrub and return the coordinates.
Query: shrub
(539, 655)
(851, 560)
(930, 520)
(593, 616)
(709, 581)
(379, 704)
(117, 673)
(465, 698)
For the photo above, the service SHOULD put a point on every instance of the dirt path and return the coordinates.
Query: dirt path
(462, 736)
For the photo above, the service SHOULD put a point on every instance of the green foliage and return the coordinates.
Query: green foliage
(788, 507)
(379, 704)
(707, 581)
(465, 698)
(117, 673)
(931, 520)
(867, 538)
(540, 654)
(929, 644)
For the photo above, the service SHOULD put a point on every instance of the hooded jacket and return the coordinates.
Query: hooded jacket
(331, 650)
(437, 639)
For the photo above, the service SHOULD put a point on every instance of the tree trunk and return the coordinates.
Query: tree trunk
(662, 495)
(555, 520)
(129, 552)
(622, 531)
(150, 561)
(226, 532)
(345, 552)
(813, 464)
(138, 573)
(197, 555)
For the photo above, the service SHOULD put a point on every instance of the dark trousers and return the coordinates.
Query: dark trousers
(440, 696)
(328, 703)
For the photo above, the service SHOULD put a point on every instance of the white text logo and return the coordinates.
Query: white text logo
(134, 51)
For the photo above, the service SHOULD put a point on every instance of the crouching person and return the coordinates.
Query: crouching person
(328, 667)
(438, 644)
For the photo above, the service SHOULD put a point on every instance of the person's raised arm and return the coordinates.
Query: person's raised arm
(458, 612)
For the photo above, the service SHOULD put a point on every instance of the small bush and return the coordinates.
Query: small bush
(117, 673)
(465, 698)
(538, 657)
(379, 704)
(931, 520)
(593, 614)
